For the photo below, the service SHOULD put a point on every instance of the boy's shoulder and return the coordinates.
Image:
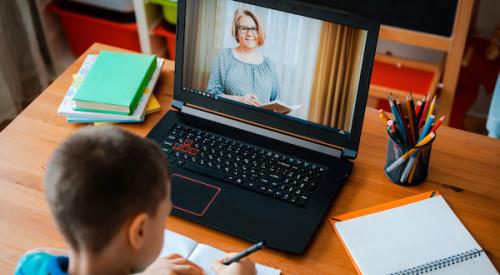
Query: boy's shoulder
(42, 263)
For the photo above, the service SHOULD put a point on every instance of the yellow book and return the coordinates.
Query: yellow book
(153, 105)
(103, 123)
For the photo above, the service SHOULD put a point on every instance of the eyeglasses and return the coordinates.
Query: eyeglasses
(244, 30)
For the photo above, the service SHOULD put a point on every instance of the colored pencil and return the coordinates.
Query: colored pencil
(383, 116)
(431, 108)
(414, 167)
(407, 169)
(417, 108)
(399, 122)
(411, 116)
(428, 125)
(404, 119)
(438, 123)
(423, 116)
(412, 104)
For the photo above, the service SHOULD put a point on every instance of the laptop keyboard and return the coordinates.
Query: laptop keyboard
(241, 164)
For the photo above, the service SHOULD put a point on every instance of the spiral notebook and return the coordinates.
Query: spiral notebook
(411, 236)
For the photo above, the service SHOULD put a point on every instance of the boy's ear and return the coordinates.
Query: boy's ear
(137, 230)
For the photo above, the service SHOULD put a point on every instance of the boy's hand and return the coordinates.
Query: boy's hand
(173, 264)
(244, 266)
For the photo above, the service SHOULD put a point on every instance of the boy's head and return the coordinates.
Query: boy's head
(105, 187)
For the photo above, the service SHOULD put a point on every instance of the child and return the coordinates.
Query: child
(109, 192)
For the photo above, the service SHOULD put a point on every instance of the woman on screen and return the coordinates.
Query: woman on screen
(242, 73)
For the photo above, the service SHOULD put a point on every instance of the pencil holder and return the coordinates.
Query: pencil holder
(414, 169)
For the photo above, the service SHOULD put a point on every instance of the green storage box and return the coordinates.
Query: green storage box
(169, 10)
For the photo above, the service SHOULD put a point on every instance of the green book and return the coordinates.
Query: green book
(115, 83)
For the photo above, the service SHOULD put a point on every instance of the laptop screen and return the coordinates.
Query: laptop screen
(268, 61)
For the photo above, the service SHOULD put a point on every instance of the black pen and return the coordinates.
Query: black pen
(244, 253)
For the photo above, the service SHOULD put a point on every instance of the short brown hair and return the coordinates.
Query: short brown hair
(260, 27)
(101, 177)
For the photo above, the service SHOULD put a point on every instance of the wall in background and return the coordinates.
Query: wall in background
(488, 16)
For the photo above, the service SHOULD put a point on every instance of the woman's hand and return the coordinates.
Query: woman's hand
(173, 264)
(250, 99)
(244, 266)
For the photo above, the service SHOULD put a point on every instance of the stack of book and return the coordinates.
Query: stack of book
(112, 87)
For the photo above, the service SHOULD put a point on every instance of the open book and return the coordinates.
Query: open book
(201, 254)
(279, 106)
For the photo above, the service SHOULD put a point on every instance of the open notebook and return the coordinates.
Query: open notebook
(417, 238)
(201, 254)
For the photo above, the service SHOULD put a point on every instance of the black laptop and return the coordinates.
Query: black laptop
(269, 99)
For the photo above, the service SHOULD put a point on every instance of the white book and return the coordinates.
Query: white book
(201, 254)
(66, 108)
(423, 237)
(280, 106)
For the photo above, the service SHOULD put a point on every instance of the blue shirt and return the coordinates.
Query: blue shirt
(231, 76)
(42, 263)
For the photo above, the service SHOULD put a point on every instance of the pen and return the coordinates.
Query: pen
(244, 253)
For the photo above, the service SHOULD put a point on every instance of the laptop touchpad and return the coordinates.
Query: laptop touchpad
(191, 195)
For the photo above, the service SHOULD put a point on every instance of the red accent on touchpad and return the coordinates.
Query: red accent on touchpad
(191, 195)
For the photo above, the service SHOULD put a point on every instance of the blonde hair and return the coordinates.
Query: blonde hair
(260, 28)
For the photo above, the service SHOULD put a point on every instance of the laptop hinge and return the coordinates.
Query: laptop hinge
(350, 154)
(335, 152)
(177, 104)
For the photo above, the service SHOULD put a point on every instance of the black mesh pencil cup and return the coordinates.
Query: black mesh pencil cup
(413, 170)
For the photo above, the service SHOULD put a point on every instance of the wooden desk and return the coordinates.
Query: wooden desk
(465, 168)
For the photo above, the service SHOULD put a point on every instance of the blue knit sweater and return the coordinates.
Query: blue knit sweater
(231, 76)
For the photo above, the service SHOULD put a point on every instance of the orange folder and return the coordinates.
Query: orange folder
(374, 209)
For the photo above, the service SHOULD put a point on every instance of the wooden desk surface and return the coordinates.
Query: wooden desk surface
(464, 167)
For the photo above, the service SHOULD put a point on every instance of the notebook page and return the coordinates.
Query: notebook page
(177, 243)
(204, 255)
(406, 236)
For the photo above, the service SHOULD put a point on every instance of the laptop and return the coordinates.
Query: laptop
(268, 105)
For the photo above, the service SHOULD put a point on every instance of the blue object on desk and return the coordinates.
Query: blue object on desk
(493, 122)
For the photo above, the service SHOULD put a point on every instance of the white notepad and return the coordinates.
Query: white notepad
(201, 254)
(424, 236)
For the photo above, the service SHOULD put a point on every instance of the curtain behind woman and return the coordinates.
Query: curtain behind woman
(338, 67)
(203, 38)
